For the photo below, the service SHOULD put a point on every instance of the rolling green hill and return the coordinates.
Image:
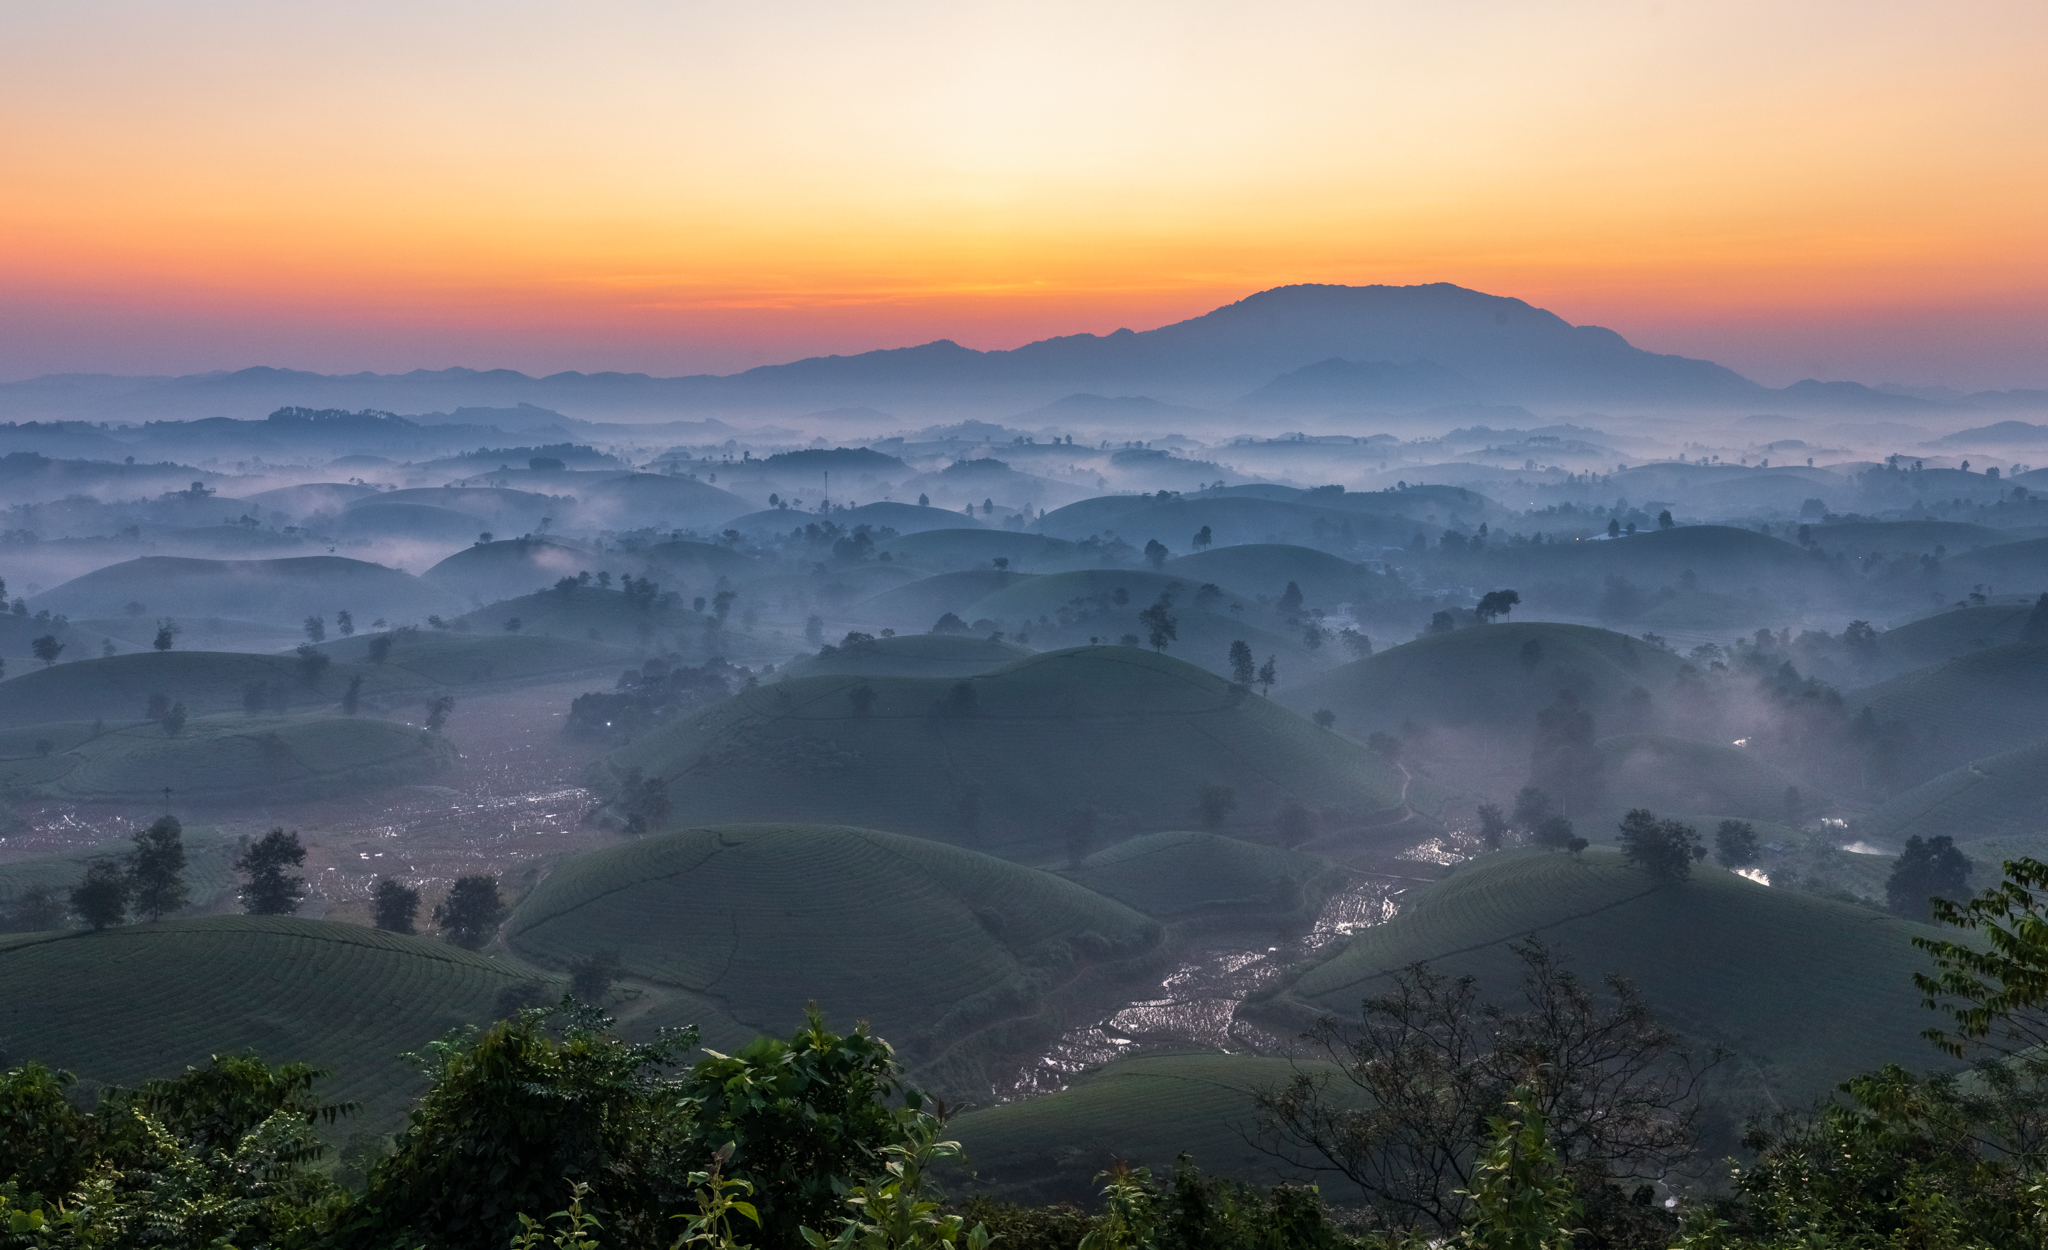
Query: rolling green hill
(1805, 990)
(968, 548)
(1690, 779)
(209, 871)
(1266, 568)
(1945, 635)
(488, 572)
(1145, 1109)
(916, 605)
(910, 655)
(1999, 796)
(1179, 873)
(954, 956)
(2020, 566)
(232, 758)
(148, 1000)
(1975, 705)
(992, 761)
(283, 591)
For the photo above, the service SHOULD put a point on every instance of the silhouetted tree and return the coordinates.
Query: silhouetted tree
(1159, 621)
(1324, 717)
(1213, 804)
(47, 649)
(156, 869)
(591, 978)
(1927, 868)
(1290, 600)
(101, 899)
(174, 719)
(1077, 826)
(1563, 760)
(951, 624)
(269, 890)
(1441, 623)
(1156, 553)
(352, 698)
(1203, 538)
(167, 631)
(1533, 805)
(1268, 674)
(1497, 603)
(394, 907)
(1556, 832)
(1384, 745)
(1667, 849)
(1296, 824)
(1493, 826)
(1243, 668)
(1664, 521)
(316, 629)
(312, 663)
(471, 911)
(1735, 844)
(1355, 642)
(380, 648)
(344, 623)
(1614, 529)
(438, 709)
(37, 910)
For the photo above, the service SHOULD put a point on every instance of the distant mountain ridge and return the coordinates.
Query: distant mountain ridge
(1315, 347)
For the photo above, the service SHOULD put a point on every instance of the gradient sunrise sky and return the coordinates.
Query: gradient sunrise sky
(1833, 189)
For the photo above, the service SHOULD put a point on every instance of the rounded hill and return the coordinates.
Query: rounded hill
(2016, 566)
(285, 590)
(993, 761)
(946, 951)
(149, 1000)
(967, 548)
(1996, 797)
(1178, 873)
(1801, 988)
(1266, 568)
(488, 572)
(1683, 777)
(915, 605)
(1946, 635)
(904, 518)
(635, 500)
(218, 760)
(910, 655)
(1977, 704)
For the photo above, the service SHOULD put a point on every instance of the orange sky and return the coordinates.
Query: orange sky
(1832, 189)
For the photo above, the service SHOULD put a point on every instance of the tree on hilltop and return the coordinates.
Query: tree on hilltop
(47, 649)
(393, 907)
(269, 890)
(167, 631)
(1497, 603)
(1243, 668)
(471, 911)
(1159, 621)
(1493, 826)
(1156, 553)
(156, 869)
(1269, 673)
(1927, 869)
(1667, 849)
(101, 899)
(1735, 844)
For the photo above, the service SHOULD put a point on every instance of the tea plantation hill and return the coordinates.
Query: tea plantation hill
(910, 655)
(251, 590)
(915, 605)
(1803, 989)
(1145, 1109)
(1469, 699)
(145, 1000)
(2018, 566)
(974, 482)
(695, 566)
(1943, 636)
(209, 871)
(904, 518)
(1068, 609)
(308, 499)
(415, 522)
(1230, 519)
(488, 572)
(593, 614)
(1326, 581)
(954, 956)
(993, 761)
(509, 511)
(1180, 875)
(231, 759)
(636, 500)
(1856, 539)
(1999, 796)
(18, 635)
(1975, 705)
(959, 549)
(1701, 782)
(1569, 576)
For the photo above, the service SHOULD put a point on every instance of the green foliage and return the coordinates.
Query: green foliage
(1667, 849)
(513, 1112)
(575, 1231)
(719, 1199)
(900, 1209)
(269, 890)
(1522, 1197)
(1129, 1216)
(46, 1146)
(156, 869)
(471, 912)
(808, 1119)
(1927, 868)
(1999, 983)
(1735, 844)
(394, 907)
(101, 899)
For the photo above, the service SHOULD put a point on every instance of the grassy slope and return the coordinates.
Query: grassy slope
(911, 655)
(117, 688)
(1266, 568)
(148, 1000)
(1682, 777)
(284, 590)
(1946, 635)
(946, 951)
(1805, 990)
(965, 548)
(1998, 796)
(1133, 733)
(1177, 873)
(916, 605)
(1146, 1109)
(231, 758)
(209, 873)
(1976, 705)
